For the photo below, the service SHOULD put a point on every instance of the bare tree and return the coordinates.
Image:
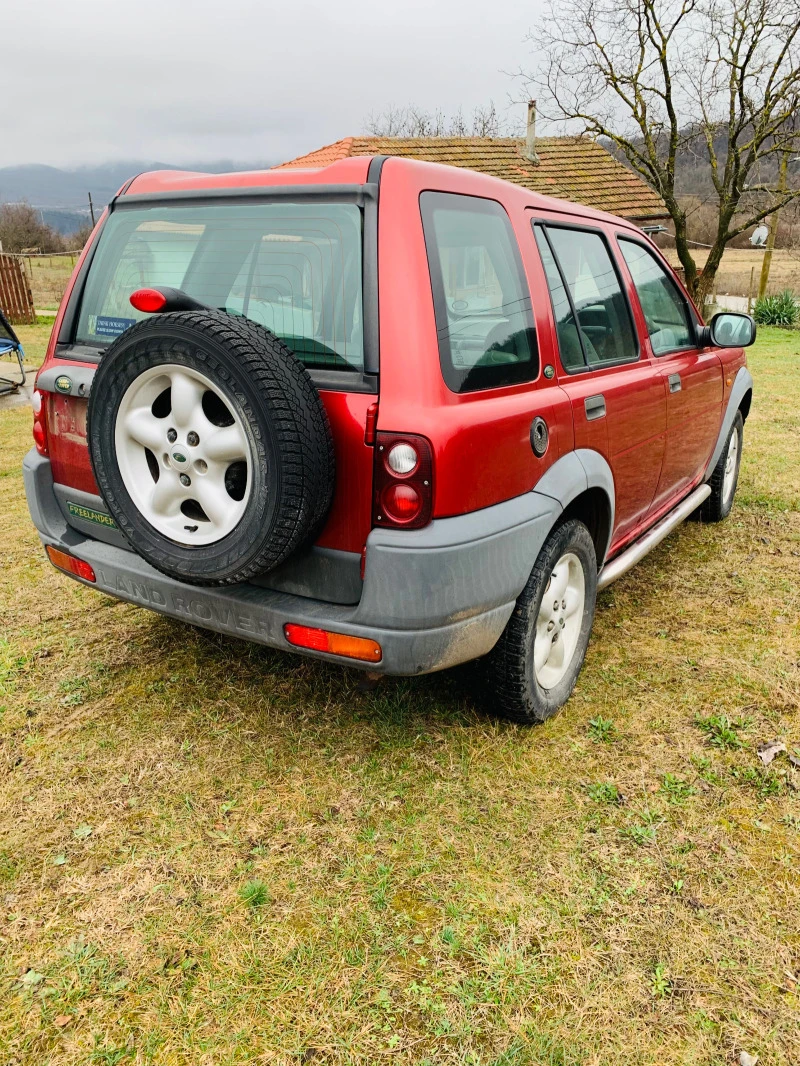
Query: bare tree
(658, 77)
(22, 227)
(413, 121)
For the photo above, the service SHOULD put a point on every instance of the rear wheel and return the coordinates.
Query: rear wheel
(725, 479)
(532, 670)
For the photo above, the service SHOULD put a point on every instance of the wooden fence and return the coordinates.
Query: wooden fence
(16, 298)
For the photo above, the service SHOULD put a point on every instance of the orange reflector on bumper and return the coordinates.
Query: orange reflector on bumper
(70, 564)
(333, 643)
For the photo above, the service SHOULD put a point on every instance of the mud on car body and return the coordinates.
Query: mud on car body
(386, 413)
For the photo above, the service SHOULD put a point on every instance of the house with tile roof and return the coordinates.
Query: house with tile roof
(572, 168)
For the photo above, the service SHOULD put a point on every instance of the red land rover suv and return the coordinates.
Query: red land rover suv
(386, 413)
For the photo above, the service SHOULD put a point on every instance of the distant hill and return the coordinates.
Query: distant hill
(62, 195)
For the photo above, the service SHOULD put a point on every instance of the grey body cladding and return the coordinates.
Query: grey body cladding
(432, 598)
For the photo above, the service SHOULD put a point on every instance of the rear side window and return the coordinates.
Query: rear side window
(294, 268)
(480, 296)
(604, 322)
(663, 307)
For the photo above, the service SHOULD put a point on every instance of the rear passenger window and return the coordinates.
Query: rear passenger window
(483, 308)
(663, 307)
(604, 322)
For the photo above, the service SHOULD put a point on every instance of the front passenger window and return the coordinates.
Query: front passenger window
(663, 307)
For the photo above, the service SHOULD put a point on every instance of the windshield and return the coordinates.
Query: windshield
(292, 267)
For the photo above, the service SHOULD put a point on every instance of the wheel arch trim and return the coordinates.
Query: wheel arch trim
(742, 386)
(575, 474)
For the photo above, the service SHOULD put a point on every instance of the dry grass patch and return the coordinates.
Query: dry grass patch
(48, 277)
(737, 263)
(214, 853)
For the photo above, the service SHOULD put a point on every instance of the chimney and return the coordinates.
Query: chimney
(529, 151)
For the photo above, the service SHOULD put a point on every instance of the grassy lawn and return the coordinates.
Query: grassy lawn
(211, 853)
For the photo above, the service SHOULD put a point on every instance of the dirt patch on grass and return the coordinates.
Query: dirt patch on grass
(213, 853)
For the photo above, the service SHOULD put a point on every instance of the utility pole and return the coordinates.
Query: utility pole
(91, 209)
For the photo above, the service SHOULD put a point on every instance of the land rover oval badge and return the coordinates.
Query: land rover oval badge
(63, 383)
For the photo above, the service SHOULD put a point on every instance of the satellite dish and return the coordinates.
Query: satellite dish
(758, 238)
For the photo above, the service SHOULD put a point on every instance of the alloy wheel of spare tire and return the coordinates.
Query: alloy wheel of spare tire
(210, 445)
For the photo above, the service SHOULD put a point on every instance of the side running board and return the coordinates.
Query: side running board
(637, 551)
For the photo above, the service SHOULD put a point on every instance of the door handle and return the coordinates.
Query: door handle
(675, 383)
(595, 407)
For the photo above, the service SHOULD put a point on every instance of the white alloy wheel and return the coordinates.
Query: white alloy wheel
(183, 454)
(558, 624)
(731, 459)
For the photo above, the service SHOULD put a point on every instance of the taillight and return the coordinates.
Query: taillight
(403, 481)
(70, 565)
(39, 422)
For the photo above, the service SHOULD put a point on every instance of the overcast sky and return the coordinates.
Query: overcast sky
(180, 80)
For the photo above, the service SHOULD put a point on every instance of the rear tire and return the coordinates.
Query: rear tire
(533, 668)
(725, 479)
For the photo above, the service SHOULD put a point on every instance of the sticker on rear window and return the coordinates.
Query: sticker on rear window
(104, 326)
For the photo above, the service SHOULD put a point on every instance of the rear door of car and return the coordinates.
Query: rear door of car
(303, 267)
(692, 375)
(618, 398)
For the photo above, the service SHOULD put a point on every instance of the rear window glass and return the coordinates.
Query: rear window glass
(480, 295)
(294, 268)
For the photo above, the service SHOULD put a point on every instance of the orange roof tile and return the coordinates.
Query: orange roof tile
(572, 168)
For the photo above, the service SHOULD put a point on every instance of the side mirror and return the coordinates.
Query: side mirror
(728, 329)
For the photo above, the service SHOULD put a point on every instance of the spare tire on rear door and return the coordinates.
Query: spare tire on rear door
(210, 445)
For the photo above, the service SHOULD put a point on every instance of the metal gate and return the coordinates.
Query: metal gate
(16, 299)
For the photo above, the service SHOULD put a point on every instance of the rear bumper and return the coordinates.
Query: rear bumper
(432, 598)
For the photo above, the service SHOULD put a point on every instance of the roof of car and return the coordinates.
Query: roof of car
(571, 168)
(348, 170)
(156, 182)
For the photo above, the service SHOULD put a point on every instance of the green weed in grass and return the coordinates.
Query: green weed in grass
(720, 730)
(602, 729)
(676, 789)
(660, 984)
(254, 893)
(604, 792)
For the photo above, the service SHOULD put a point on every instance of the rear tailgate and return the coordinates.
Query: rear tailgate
(296, 268)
